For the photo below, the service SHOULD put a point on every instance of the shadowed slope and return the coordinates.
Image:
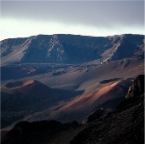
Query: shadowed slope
(23, 97)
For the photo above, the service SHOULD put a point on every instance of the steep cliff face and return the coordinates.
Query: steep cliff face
(136, 88)
(70, 48)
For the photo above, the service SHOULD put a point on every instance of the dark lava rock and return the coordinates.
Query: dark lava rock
(137, 87)
(97, 115)
(39, 132)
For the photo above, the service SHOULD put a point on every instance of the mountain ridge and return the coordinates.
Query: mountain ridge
(73, 49)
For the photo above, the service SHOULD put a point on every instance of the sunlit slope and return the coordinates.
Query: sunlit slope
(95, 96)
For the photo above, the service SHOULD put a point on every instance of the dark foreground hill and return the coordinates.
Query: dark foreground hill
(71, 49)
(123, 125)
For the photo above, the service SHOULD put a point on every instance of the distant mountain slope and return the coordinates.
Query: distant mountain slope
(70, 48)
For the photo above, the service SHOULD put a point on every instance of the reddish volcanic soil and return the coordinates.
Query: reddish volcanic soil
(79, 107)
(19, 84)
(89, 98)
(28, 83)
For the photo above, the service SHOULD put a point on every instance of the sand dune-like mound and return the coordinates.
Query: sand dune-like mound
(87, 100)
(107, 95)
(19, 84)
(79, 107)
(26, 83)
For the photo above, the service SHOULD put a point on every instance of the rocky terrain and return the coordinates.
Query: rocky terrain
(123, 125)
(74, 86)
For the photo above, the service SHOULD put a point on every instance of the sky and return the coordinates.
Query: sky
(91, 18)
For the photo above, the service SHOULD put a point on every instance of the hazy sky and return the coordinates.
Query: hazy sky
(95, 18)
